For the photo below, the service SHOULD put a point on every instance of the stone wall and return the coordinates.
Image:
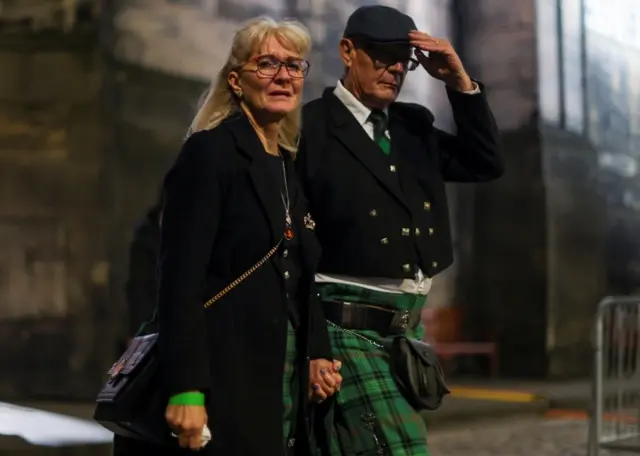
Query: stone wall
(41, 15)
(54, 215)
(613, 126)
(84, 143)
(576, 233)
(151, 117)
(506, 270)
(540, 239)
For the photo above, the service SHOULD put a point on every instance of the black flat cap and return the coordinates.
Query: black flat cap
(379, 24)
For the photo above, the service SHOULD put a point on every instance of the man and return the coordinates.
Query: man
(374, 171)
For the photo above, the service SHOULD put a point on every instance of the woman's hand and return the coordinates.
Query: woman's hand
(324, 379)
(187, 422)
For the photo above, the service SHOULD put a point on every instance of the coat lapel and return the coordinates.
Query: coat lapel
(266, 189)
(347, 130)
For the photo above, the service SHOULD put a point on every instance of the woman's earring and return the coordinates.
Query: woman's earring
(238, 93)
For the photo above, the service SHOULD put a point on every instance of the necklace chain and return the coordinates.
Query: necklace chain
(286, 202)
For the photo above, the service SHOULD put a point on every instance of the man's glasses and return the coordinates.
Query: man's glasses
(269, 66)
(383, 58)
(409, 64)
(387, 55)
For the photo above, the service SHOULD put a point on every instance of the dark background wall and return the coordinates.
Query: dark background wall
(84, 142)
(55, 213)
(554, 235)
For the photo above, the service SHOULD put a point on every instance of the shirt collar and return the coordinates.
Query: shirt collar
(355, 106)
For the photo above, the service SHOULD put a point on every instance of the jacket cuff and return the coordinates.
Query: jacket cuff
(454, 94)
(475, 91)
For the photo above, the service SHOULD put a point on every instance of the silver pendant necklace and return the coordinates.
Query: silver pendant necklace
(286, 202)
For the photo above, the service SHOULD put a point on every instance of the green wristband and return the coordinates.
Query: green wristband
(194, 398)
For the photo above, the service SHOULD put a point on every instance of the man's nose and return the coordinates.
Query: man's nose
(398, 67)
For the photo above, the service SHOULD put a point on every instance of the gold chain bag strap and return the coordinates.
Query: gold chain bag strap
(130, 403)
(246, 274)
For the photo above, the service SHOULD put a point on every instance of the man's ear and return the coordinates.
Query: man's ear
(234, 83)
(346, 50)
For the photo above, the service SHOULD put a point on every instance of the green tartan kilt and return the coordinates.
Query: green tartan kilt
(289, 386)
(371, 415)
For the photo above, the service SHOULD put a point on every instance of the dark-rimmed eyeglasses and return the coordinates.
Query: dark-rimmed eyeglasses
(269, 66)
(387, 55)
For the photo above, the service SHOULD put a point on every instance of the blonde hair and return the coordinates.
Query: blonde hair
(219, 102)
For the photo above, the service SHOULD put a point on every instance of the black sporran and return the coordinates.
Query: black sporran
(418, 373)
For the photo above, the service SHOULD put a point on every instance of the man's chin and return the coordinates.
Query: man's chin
(389, 94)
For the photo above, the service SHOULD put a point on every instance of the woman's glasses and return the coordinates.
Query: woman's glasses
(269, 66)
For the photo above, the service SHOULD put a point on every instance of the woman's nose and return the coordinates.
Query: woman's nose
(282, 73)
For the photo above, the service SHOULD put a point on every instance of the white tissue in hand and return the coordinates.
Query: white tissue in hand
(206, 436)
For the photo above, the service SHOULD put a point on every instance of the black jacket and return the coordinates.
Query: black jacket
(222, 213)
(380, 216)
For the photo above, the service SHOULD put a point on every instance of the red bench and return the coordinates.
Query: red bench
(447, 351)
(442, 330)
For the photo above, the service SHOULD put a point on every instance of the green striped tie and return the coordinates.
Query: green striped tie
(379, 120)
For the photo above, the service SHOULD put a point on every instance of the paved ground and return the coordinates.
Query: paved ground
(515, 437)
(524, 436)
(466, 425)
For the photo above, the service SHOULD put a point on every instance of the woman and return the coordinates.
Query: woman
(231, 198)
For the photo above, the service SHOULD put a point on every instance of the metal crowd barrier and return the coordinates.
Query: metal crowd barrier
(615, 413)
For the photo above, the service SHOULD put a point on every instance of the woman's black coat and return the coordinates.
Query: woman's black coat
(222, 213)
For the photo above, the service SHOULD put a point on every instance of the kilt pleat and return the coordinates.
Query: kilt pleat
(289, 386)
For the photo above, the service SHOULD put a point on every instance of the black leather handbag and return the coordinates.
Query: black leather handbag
(131, 403)
(418, 373)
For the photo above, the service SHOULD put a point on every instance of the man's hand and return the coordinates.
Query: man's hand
(442, 62)
(324, 379)
(187, 422)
